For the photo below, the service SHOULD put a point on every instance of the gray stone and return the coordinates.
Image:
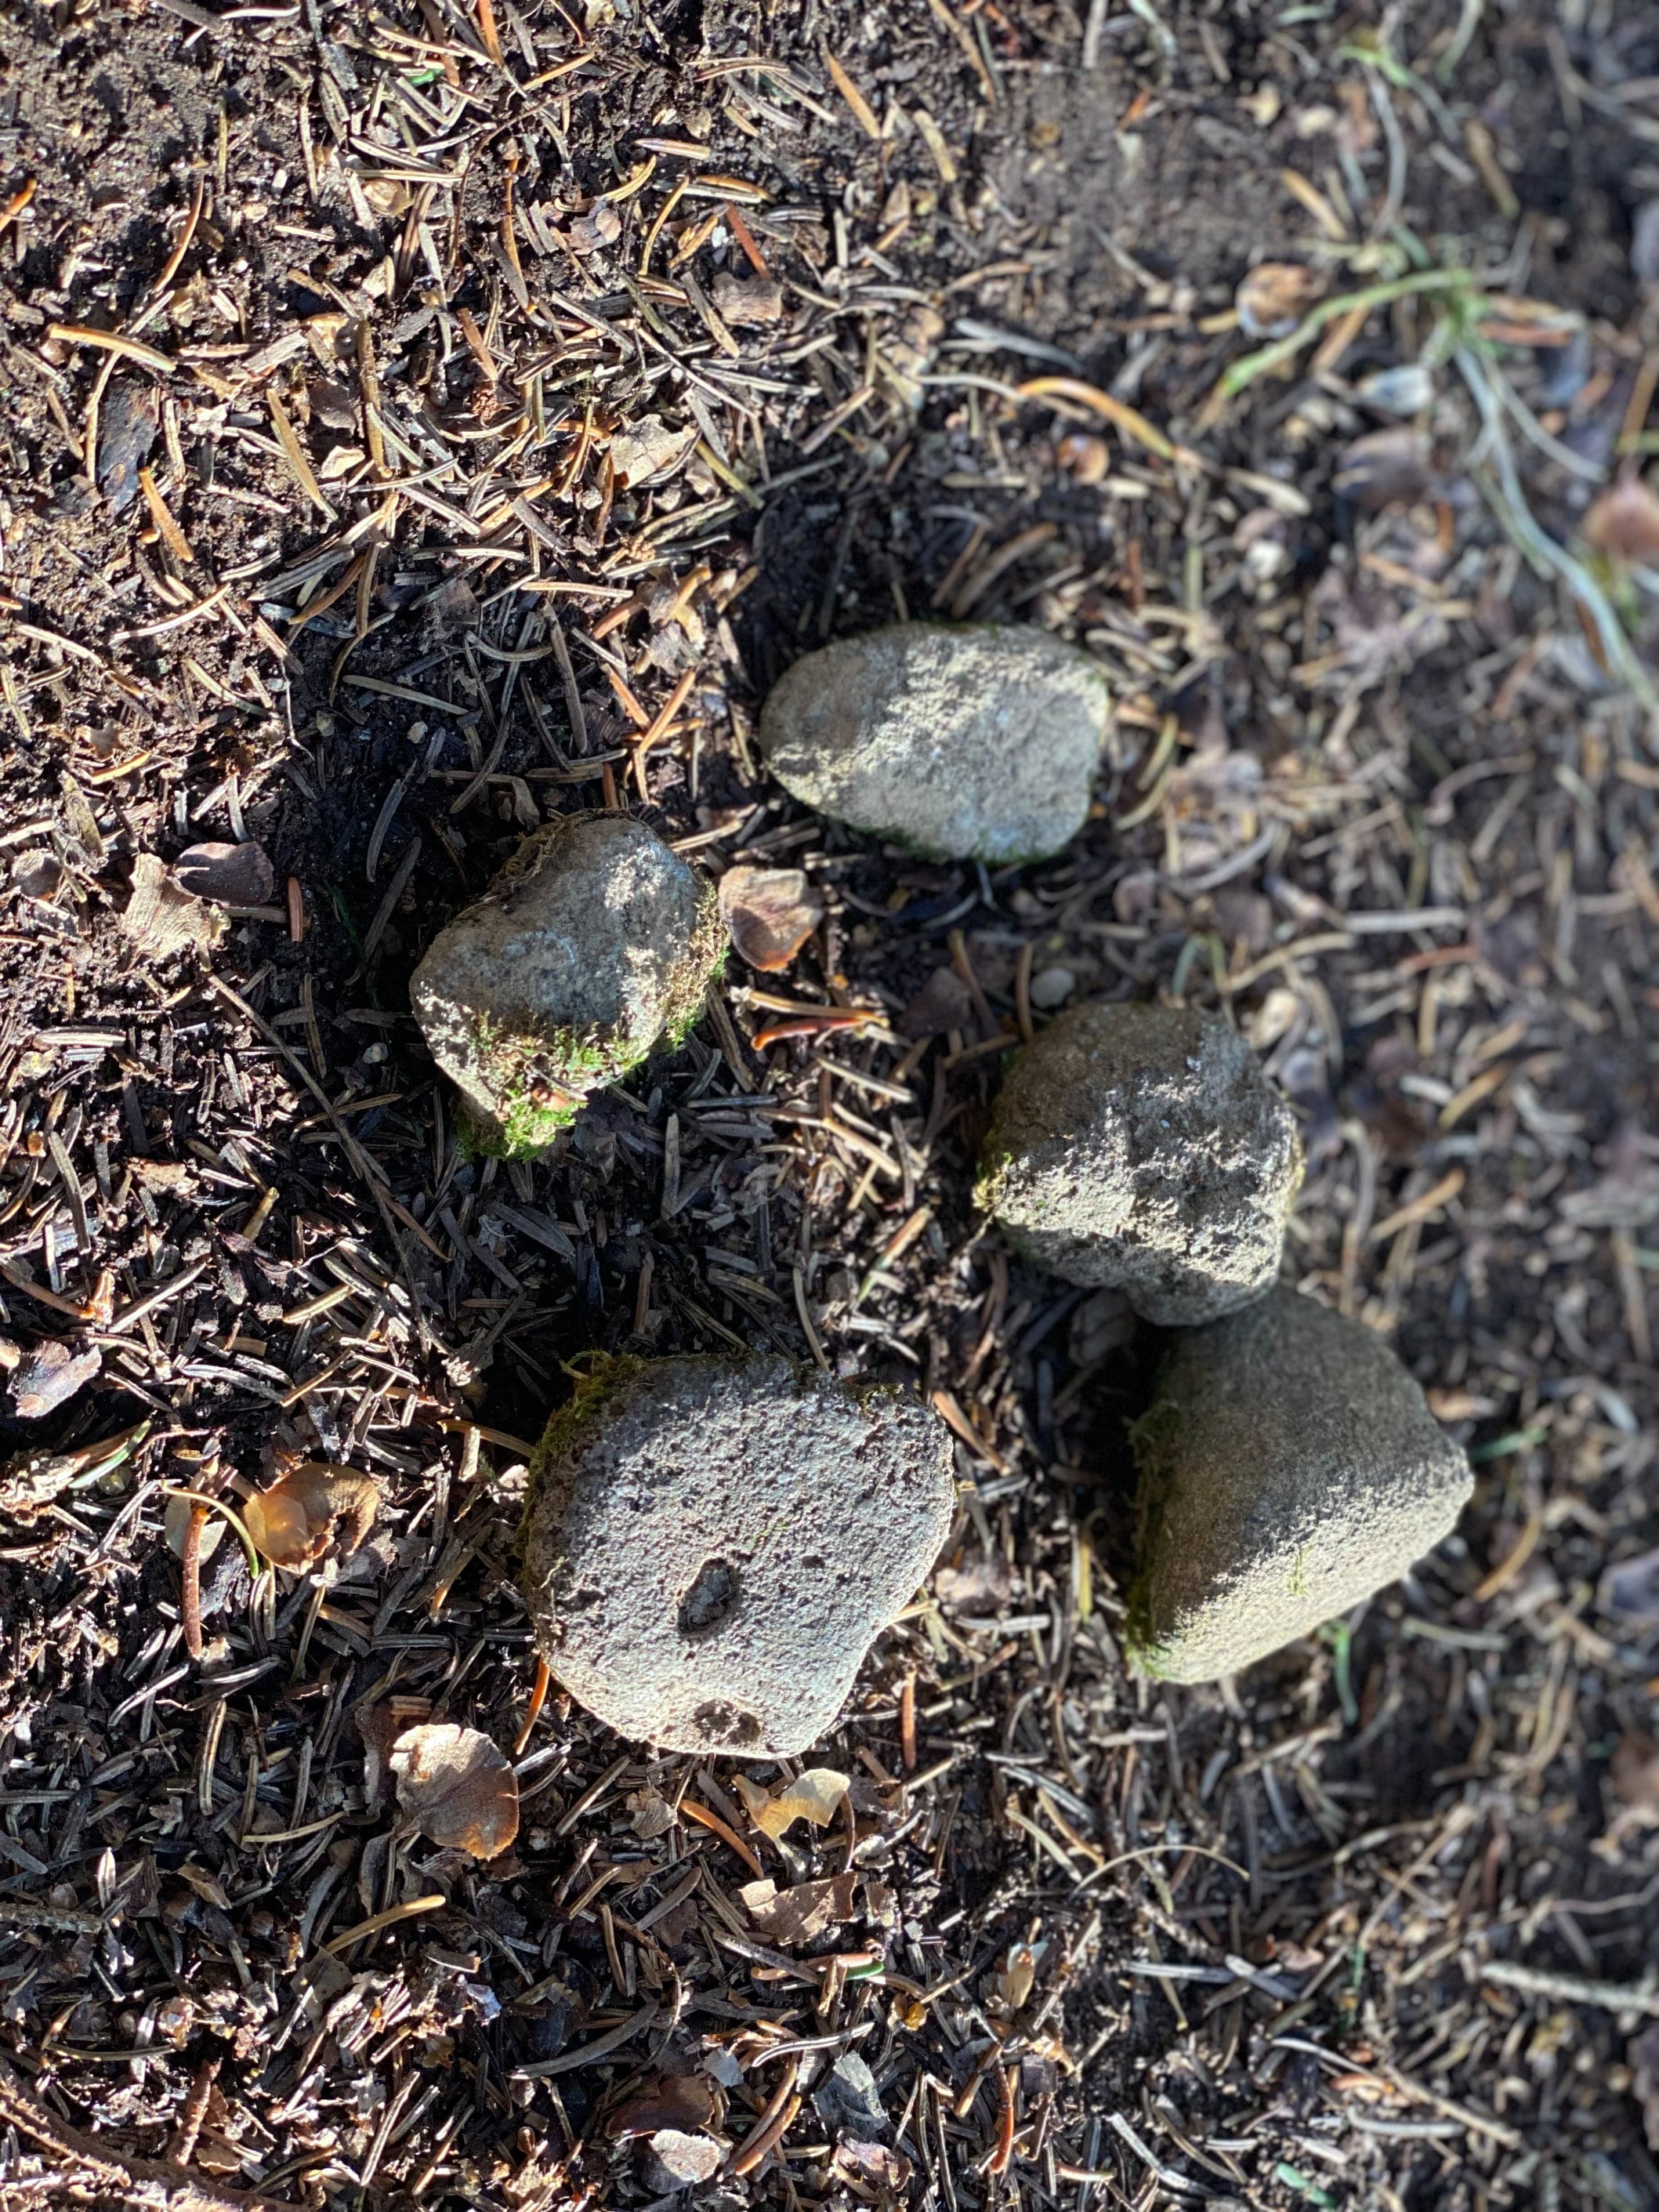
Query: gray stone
(710, 1546)
(1140, 1148)
(1289, 1467)
(977, 743)
(593, 946)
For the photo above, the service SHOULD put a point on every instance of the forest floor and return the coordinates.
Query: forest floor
(427, 417)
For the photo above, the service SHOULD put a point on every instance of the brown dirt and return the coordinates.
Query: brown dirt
(1269, 1923)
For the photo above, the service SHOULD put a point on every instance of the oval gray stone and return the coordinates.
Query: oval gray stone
(1288, 1467)
(1140, 1148)
(595, 944)
(973, 743)
(710, 1546)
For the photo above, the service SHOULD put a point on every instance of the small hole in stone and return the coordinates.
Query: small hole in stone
(728, 1725)
(712, 1599)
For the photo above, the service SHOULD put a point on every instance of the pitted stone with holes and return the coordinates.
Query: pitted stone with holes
(1141, 1148)
(710, 1546)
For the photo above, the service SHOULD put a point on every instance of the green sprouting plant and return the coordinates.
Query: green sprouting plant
(1467, 335)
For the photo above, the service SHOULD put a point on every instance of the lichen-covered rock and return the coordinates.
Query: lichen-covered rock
(977, 743)
(709, 1546)
(1288, 1467)
(1140, 1148)
(594, 945)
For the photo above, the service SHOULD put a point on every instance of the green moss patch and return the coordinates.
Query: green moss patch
(539, 1081)
(563, 1438)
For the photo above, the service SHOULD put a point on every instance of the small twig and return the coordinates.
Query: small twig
(191, 1562)
(182, 2148)
(1569, 1989)
(86, 2163)
(537, 1700)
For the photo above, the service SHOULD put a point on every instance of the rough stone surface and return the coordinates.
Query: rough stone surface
(592, 944)
(1288, 1467)
(1141, 1148)
(711, 1546)
(978, 743)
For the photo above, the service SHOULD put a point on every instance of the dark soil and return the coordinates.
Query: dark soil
(1372, 788)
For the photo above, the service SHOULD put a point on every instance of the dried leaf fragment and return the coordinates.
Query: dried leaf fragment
(49, 1376)
(1623, 522)
(1275, 297)
(235, 875)
(672, 2101)
(874, 2163)
(770, 912)
(294, 1522)
(746, 302)
(457, 1787)
(451, 611)
(161, 919)
(811, 1796)
(791, 1915)
(648, 451)
(601, 226)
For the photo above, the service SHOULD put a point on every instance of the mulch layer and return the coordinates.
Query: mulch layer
(426, 418)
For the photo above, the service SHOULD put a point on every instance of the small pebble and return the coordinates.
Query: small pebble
(1051, 988)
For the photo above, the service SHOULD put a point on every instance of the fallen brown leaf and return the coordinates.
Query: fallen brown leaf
(811, 1796)
(293, 1521)
(748, 301)
(457, 1787)
(874, 2162)
(790, 1916)
(672, 2101)
(163, 918)
(770, 912)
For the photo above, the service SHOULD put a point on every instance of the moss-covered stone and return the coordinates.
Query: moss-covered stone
(593, 947)
(1289, 1466)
